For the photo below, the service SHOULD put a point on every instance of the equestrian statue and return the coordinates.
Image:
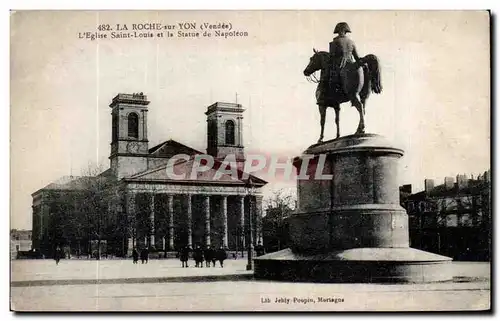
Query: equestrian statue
(344, 77)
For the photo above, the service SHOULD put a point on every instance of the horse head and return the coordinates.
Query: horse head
(316, 62)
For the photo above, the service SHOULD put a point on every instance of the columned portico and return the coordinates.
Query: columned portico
(179, 219)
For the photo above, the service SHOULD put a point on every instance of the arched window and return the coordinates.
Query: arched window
(133, 125)
(229, 132)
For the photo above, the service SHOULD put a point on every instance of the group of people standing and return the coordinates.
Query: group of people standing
(144, 255)
(208, 255)
(200, 255)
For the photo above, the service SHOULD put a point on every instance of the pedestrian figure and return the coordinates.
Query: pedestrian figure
(57, 255)
(221, 255)
(214, 256)
(208, 254)
(198, 256)
(144, 255)
(260, 250)
(184, 256)
(135, 256)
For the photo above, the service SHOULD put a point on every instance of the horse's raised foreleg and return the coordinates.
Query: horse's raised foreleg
(356, 101)
(322, 113)
(337, 119)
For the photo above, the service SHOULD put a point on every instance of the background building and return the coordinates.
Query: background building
(453, 218)
(20, 241)
(135, 203)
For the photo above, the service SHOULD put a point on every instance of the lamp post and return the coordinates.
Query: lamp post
(250, 234)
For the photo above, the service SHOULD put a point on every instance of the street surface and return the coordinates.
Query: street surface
(162, 285)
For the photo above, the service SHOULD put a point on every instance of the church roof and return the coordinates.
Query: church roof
(68, 183)
(106, 173)
(76, 182)
(164, 150)
(171, 147)
(184, 167)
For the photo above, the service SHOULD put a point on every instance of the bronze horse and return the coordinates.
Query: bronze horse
(357, 80)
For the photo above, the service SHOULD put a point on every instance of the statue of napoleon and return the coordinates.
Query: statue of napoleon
(344, 77)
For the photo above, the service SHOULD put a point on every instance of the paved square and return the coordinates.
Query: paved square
(47, 270)
(162, 285)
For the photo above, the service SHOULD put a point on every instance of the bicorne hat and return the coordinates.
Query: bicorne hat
(342, 26)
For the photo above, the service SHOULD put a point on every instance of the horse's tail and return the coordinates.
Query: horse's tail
(374, 70)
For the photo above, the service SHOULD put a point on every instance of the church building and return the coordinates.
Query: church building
(136, 203)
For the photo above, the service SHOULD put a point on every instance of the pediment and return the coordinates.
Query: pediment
(182, 171)
(170, 148)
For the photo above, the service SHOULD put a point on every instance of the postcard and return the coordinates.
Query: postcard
(272, 160)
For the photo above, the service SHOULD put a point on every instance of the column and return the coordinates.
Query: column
(251, 221)
(190, 221)
(258, 218)
(206, 211)
(131, 222)
(152, 221)
(241, 201)
(224, 221)
(240, 132)
(170, 206)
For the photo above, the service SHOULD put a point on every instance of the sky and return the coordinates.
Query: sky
(435, 73)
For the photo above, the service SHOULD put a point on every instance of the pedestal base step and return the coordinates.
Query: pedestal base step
(358, 265)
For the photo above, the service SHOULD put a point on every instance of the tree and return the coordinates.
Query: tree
(280, 199)
(59, 218)
(145, 207)
(95, 193)
(279, 206)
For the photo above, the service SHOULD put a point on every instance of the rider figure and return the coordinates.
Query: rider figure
(342, 50)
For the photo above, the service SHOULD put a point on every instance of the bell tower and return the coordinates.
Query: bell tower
(129, 137)
(225, 131)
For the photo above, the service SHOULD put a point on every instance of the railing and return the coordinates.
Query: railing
(135, 96)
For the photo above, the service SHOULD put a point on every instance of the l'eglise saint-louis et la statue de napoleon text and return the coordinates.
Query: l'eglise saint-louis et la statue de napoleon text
(162, 30)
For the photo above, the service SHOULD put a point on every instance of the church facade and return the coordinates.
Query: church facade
(136, 203)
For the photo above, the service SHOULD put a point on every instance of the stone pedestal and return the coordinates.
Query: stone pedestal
(349, 226)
